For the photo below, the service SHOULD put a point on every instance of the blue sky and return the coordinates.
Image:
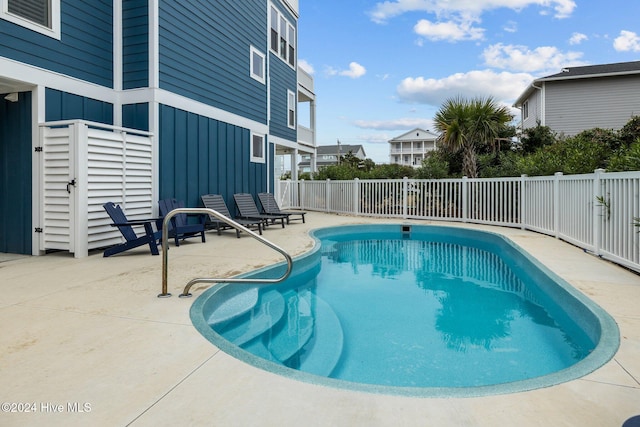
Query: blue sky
(384, 68)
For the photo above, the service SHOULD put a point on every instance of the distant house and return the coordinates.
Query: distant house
(328, 155)
(135, 101)
(580, 98)
(410, 148)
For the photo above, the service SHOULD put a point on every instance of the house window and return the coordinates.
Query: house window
(257, 60)
(291, 109)
(282, 36)
(42, 16)
(292, 46)
(525, 110)
(257, 148)
(274, 29)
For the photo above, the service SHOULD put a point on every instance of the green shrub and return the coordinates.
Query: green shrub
(630, 132)
(434, 166)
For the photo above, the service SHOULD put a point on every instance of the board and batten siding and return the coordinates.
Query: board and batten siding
(84, 51)
(135, 44)
(200, 155)
(16, 175)
(204, 54)
(67, 106)
(575, 105)
(136, 116)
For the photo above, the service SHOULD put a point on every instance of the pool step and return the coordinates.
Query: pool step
(327, 343)
(268, 312)
(258, 348)
(232, 301)
(296, 330)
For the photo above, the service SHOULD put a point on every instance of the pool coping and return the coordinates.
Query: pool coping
(604, 351)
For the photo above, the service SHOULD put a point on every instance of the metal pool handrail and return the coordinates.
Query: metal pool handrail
(234, 224)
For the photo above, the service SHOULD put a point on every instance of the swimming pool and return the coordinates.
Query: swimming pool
(452, 312)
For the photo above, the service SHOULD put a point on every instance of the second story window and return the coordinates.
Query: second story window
(282, 36)
(42, 16)
(525, 110)
(291, 109)
(257, 61)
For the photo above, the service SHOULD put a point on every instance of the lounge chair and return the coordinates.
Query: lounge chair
(270, 207)
(217, 203)
(179, 226)
(248, 210)
(126, 228)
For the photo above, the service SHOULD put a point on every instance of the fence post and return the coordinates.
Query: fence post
(523, 202)
(405, 194)
(327, 194)
(356, 196)
(556, 203)
(301, 193)
(598, 217)
(465, 204)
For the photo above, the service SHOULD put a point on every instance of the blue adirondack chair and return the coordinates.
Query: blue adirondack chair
(179, 226)
(125, 226)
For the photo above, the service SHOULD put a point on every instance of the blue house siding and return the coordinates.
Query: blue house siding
(136, 116)
(84, 50)
(283, 78)
(66, 106)
(204, 53)
(135, 49)
(15, 177)
(200, 155)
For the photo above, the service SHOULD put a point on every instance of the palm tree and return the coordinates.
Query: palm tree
(466, 124)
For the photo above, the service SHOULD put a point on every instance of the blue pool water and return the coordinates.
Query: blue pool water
(403, 308)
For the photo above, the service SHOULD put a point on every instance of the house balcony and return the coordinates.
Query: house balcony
(306, 136)
(305, 86)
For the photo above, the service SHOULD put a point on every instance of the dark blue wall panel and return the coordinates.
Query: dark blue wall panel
(283, 78)
(15, 175)
(199, 155)
(135, 40)
(136, 116)
(66, 106)
(204, 53)
(85, 50)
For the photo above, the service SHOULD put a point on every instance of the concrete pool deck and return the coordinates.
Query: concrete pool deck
(87, 342)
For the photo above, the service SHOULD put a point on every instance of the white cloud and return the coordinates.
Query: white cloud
(306, 66)
(383, 11)
(395, 124)
(502, 86)
(355, 71)
(450, 30)
(521, 58)
(627, 41)
(577, 38)
(511, 27)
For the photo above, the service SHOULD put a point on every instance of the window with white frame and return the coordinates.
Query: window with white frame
(257, 64)
(42, 16)
(525, 110)
(291, 109)
(282, 37)
(257, 148)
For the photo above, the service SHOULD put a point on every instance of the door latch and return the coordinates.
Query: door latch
(72, 182)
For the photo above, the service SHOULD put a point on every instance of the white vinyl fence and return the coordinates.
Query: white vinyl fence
(593, 211)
